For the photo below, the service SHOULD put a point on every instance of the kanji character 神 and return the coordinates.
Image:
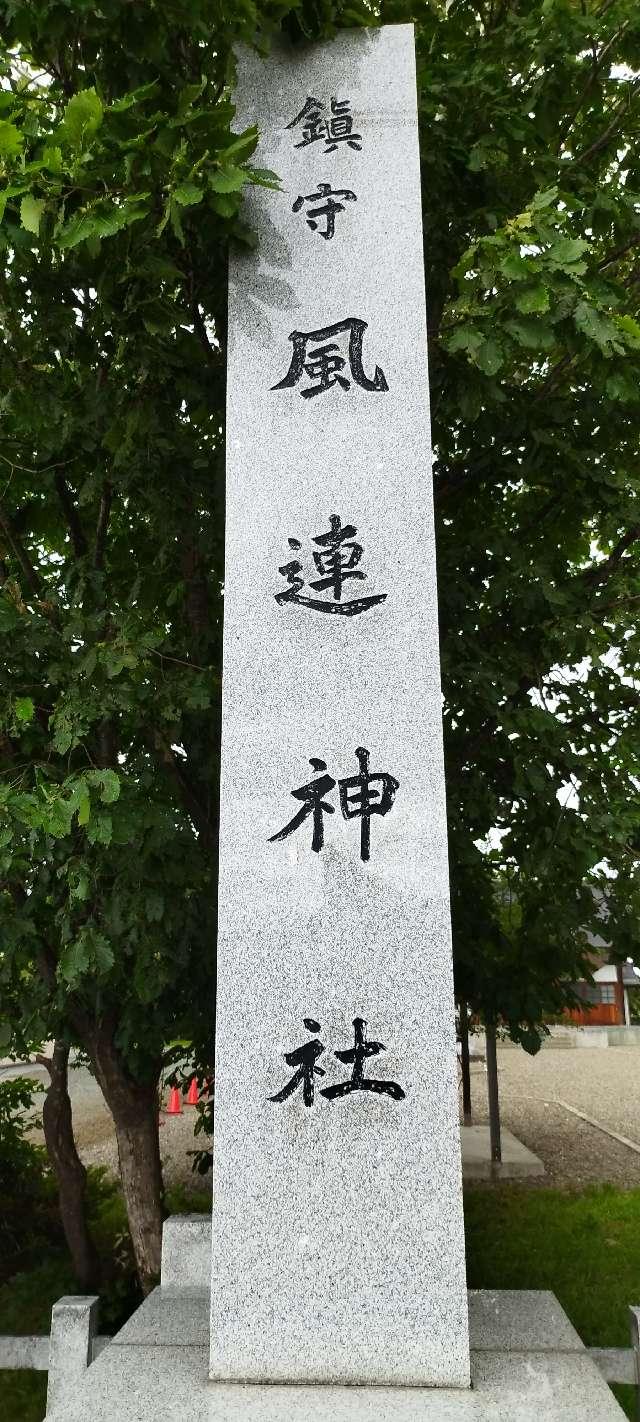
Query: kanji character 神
(361, 796)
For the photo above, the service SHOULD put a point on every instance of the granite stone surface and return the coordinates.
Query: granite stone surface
(156, 1367)
(521, 1320)
(338, 1235)
(146, 1384)
(186, 1251)
(73, 1326)
(170, 1317)
(502, 1320)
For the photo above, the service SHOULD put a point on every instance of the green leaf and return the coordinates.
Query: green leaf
(189, 94)
(486, 153)
(84, 806)
(110, 786)
(27, 810)
(545, 199)
(176, 222)
(24, 708)
(31, 210)
(136, 96)
(228, 180)
(74, 960)
(516, 267)
(188, 194)
(489, 357)
(52, 159)
(10, 139)
(108, 782)
(630, 330)
(598, 327)
(100, 829)
(57, 817)
(566, 255)
(102, 952)
(226, 204)
(465, 338)
(82, 118)
(532, 299)
(78, 883)
(534, 335)
(242, 147)
(264, 178)
(619, 387)
(103, 220)
(13, 190)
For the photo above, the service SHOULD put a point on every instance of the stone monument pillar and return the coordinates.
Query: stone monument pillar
(338, 1235)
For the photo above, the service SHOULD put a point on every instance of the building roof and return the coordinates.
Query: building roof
(608, 973)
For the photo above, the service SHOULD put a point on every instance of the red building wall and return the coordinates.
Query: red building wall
(600, 1014)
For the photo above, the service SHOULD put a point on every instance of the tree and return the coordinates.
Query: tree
(123, 186)
(71, 1175)
(532, 236)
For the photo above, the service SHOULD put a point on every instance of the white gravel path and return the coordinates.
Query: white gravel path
(603, 1083)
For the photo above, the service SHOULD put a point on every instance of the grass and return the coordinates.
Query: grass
(583, 1246)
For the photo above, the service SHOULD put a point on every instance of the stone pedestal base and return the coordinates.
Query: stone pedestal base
(528, 1365)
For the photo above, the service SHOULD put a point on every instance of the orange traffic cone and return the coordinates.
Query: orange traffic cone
(174, 1105)
(193, 1095)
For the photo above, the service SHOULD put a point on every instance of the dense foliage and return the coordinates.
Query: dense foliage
(122, 187)
(531, 178)
(19, 1157)
(122, 182)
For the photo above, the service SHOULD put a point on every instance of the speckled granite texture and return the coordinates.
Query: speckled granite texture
(338, 1235)
(527, 1365)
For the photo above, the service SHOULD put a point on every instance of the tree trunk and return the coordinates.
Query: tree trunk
(134, 1107)
(141, 1175)
(69, 1171)
(493, 1093)
(464, 1063)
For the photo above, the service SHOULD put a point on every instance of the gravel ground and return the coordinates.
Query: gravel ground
(603, 1083)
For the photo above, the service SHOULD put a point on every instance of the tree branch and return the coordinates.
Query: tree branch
(610, 129)
(605, 570)
(188, 795)
(598, 62)
(70, 511)
(19, 551)
(619, 252)
(102, 526)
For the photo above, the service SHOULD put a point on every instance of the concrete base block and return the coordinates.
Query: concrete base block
(518, 1162)
(186, 1250)
(528, 1365)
